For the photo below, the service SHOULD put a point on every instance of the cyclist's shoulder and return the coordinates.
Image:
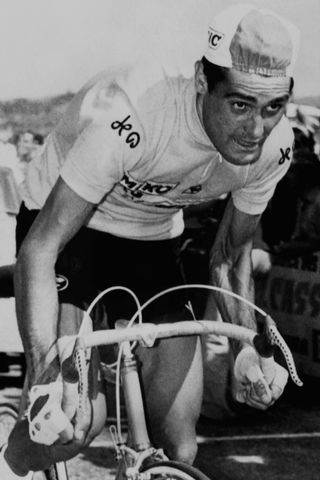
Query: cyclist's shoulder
(277, 150)
(136, 88)
(276, 155)
(281, 137)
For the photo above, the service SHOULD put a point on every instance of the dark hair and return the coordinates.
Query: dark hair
(215, 74)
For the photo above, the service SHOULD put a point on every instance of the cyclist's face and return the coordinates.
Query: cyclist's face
(240, 113)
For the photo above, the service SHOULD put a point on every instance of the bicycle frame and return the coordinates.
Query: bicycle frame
(133, 400)
(140, 446)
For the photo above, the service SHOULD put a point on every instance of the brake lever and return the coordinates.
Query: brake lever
(265, 344)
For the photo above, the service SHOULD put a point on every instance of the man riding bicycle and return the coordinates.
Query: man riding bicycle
(105, 201)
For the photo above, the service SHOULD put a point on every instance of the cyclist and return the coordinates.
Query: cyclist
(135, 146)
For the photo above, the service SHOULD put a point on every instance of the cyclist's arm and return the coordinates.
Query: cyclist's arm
(231, 265)
(259, 384)
(35, 287)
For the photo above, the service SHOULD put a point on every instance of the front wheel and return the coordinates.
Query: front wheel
(171, 470)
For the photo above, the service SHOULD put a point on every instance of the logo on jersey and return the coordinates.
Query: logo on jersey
(133, 138)
(214, 38)
(193, 190)
(61, 282)
(138, 189)
(285, 155)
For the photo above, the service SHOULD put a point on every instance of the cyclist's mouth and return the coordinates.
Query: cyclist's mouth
(245, 145)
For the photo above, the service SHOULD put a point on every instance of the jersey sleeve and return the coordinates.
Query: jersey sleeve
(109, 139)
(264, 175)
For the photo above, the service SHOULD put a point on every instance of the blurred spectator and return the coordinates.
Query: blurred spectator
(10, 175)
(14, 159)
(10, 178)
(306, 119)
(6, 132)
(28, 144)
(24, 145)
(8, 154)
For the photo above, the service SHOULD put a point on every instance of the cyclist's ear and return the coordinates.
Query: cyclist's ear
(201, 84)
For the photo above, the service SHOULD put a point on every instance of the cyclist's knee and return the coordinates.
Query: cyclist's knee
(179, 444)
(184, 452)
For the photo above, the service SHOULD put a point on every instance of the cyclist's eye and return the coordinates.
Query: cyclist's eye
(239, 106)
(273, 108)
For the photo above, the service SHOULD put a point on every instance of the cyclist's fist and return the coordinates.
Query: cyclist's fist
(47, 421)
(260, 381)
(55, 413)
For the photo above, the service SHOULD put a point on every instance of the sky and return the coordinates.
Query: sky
(48, 47)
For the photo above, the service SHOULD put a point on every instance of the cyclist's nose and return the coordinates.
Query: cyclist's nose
(255, 128)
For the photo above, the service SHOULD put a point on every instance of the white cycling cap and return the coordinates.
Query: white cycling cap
(253, 40)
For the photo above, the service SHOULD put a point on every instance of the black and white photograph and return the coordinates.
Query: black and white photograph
(160, 240)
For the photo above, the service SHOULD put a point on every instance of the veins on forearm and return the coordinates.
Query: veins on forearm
(233, 274)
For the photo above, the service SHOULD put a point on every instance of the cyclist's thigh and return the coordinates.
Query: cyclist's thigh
(173, 384)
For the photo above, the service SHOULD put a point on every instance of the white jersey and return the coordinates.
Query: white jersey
(131, 142)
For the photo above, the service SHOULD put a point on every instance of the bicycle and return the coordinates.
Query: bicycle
(141, 460)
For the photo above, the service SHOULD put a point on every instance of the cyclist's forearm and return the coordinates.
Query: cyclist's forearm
(234, 275)
(37, 307)
(231, 309)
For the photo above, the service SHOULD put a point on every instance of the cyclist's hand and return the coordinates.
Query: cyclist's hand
(47, 421)
(260, 381)
(49, 424)
(54, 414)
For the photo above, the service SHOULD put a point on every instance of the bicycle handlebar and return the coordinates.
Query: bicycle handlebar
(146, 334)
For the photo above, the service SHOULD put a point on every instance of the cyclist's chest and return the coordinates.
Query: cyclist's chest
(179, 177)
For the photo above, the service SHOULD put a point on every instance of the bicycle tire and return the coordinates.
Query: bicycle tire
(172, 470)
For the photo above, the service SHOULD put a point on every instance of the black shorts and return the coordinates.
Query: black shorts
(93, 261)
